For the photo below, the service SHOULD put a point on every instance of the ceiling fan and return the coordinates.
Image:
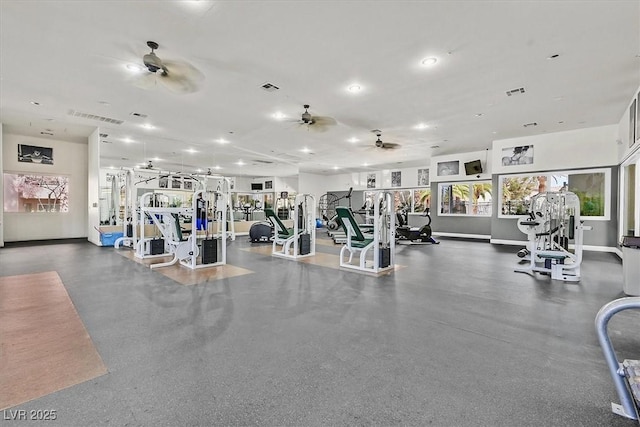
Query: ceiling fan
(176, 76)
(379, 144)
(316, 123)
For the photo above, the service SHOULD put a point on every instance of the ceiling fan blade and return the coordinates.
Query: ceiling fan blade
(180, 77)
(182, 69)
(324, 121)
(178, 85)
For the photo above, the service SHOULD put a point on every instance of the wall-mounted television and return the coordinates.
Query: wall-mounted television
(473, 168)
(256, 186)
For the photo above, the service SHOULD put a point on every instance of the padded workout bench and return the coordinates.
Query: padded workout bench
(356, 242)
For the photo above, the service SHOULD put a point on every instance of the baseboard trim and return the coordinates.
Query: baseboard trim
(45, 242)
(462, 235)
(508, 242)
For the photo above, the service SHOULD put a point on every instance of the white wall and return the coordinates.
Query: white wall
(574, 149)
(484, 156)
(70, 159)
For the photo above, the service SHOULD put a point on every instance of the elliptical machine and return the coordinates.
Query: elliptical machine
(413, 235)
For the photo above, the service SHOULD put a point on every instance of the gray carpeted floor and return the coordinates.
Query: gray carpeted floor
(455, 338)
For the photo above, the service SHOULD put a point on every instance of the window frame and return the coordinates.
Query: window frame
(549, 174)
(469, 201)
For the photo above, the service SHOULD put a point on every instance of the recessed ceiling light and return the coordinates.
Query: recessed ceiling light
(335, 168)
(199, 170)
(306, 150)
(240, 163)
(157, 159)
(354, 88)
(127, 140)
(279, 115)
(148, 126)
(135, 68)
(35, 103)
(428, 62)
(365, 164)
(421, 126)
(112, 167)
(222, 141)
(353, 140)
(190, 150)
(217, 167)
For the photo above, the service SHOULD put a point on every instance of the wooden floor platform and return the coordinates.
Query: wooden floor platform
(44, 346)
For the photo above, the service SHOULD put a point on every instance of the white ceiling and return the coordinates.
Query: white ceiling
(71, 55)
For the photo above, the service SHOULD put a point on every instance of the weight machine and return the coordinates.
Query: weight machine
(184, 250)
(129, 227)
(222, 184)
(553, 221)
(376, 253)
(301, 241)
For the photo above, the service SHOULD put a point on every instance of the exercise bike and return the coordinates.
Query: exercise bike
(413, 235)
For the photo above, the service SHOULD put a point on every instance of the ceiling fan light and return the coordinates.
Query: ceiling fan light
(135, 68)
(428, 62)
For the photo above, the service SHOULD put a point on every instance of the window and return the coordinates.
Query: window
(421, 200)
(414, 199)
(591, 187)
(36, 193)
(466, 198)
(402, 200)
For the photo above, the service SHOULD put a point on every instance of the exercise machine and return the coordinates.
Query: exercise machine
(261, 232)
(413, 235)
(299, 241)
(553, 221)
(625, 375)
(377, 251)
(221, 184)
(199, 249)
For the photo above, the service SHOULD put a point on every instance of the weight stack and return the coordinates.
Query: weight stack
(304, 244)
(157, 246)
(384, 257)
(209, 251)
(129, 230)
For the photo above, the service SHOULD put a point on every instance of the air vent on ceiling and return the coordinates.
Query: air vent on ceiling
(269, 87)
(143, 116)
(46, 133)
(267, 162)
(515, 91)
(530, 124)
(94, 117)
